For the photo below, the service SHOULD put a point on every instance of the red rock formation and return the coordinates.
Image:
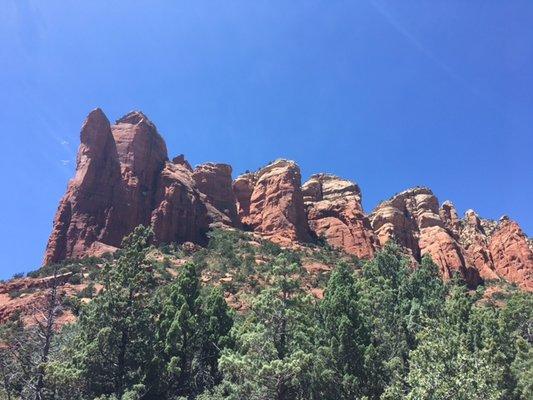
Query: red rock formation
(511, 254)
(334, 212)
(123, 180)
(412, 219)
(142, 154)
(180, 214)
(87, 209)
(448, 215)
(214, 180)
(474, 241)
(398, 218)
(30, 295)
(276, 209)
(243, 188)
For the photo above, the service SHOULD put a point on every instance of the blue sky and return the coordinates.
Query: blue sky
(390, 94)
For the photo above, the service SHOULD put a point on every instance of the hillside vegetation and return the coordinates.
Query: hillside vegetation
(246, 319)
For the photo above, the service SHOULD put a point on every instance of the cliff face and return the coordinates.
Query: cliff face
(271, 203)
(412, 219)
(335, 213)
(124, 178)
(88, 214)
(214, 180)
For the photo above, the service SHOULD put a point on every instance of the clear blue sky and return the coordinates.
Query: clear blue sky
(391, 94)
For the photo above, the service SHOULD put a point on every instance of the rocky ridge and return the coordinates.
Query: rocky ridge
(124, 178)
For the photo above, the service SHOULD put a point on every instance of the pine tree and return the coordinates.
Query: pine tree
(448, 363)
(192, 330)
(274, 343)
(346, 336)
(115, 339)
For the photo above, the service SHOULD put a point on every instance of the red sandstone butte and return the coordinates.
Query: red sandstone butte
(511, 254)
(124, 178)
(214, 180)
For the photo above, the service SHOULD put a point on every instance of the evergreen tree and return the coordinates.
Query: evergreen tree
(397, 301)
(116, 340)
(346, 337)
(191, 331)
(274, 343)
(449, 363)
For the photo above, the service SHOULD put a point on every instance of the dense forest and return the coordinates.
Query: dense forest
(383, 330)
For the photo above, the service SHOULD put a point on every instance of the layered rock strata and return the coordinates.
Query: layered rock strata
(124, 178)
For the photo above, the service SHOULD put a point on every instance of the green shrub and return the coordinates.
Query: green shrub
(15, 293)
(75, 279)
(87, 292)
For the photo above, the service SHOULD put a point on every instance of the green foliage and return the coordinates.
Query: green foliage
(87, 292)
(384, 330)
(346, 347)
(274, 343)
(115, 341)
(397, 301)
(13, 294)
(191, 330)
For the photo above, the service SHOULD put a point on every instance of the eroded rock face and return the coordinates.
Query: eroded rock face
(243, 188)
(142, 154)
(412, 219)
(214, 180)
(450, 218)
(123, 179)
(31, 295)
(181, 214)
(275, 207)
(474, 240)
(402, 217)
(511, 254)
(88, 208)
(335, 213)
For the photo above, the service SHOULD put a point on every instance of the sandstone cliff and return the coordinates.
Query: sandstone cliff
(335, 213)
(271, 202)
(412, 219)
(124, 178)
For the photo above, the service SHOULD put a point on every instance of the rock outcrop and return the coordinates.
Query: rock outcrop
(450, 218)
(275, 206)
(180, 214)
(87, 213)
(243, 188)
(511, 254)
(474, 241)
(335, 213)
(215, 181)
(27, 296)
(412, 219)
(124, 178)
